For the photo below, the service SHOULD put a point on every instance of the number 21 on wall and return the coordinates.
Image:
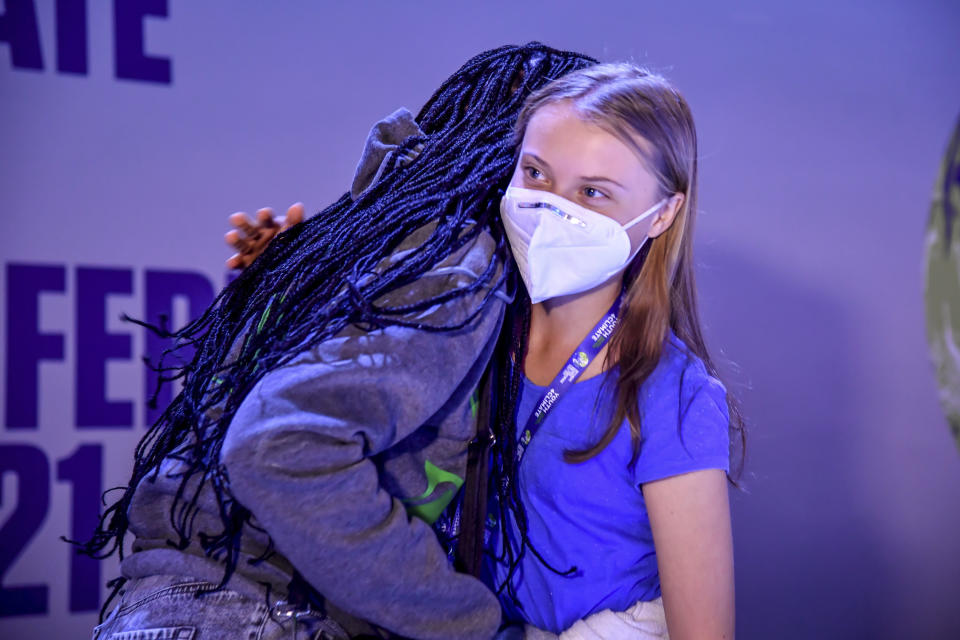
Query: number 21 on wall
(83, 471)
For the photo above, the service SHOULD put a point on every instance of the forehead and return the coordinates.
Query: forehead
(567, 142)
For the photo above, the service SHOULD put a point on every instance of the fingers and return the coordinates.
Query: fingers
(236, 261)
(252, 236)
(233, 239)
(294, 215)
(265, 218)
(242, 222)
(248, 246)
(242, 258)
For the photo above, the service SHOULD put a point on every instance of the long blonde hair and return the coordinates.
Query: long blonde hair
(631, 102)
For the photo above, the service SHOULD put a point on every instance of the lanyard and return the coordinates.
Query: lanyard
(448, 525)
(579, 360)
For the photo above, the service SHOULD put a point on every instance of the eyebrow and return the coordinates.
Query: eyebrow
(585, 178)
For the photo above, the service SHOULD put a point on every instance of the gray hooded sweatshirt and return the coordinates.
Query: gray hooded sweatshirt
(345, 456)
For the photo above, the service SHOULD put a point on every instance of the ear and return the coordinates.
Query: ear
(664, 219)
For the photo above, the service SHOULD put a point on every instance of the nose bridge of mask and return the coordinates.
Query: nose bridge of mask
(571, 212)
(562, 209)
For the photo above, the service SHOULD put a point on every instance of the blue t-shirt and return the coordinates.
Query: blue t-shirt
(592, 515)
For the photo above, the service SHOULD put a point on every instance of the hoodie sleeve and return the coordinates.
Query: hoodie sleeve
(297, 455)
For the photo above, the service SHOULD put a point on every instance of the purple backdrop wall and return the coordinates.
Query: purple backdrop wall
(131, 129)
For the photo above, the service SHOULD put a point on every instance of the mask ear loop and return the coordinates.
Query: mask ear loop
(643, 215)
(646, 213)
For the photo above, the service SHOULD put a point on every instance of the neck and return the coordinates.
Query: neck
(559, 324)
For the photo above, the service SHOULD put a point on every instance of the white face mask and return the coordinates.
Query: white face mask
(562, 248)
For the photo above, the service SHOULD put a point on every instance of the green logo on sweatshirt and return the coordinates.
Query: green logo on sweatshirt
(430, 510)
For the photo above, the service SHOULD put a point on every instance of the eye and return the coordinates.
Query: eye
(593, 193)
(532, 172)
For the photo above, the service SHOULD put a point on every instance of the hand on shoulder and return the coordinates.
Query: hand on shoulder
(251, 237)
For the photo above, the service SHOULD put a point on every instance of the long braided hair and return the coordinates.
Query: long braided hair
(320, 276)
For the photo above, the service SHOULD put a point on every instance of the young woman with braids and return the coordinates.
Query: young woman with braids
(612, 430)
(329, 398)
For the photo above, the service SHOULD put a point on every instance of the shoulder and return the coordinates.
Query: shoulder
(474, 262)
(684, 416)
(682, 375)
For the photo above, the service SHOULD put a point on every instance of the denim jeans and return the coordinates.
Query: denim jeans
(168, 608)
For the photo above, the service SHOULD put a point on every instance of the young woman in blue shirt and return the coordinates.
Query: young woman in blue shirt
(621, 491)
